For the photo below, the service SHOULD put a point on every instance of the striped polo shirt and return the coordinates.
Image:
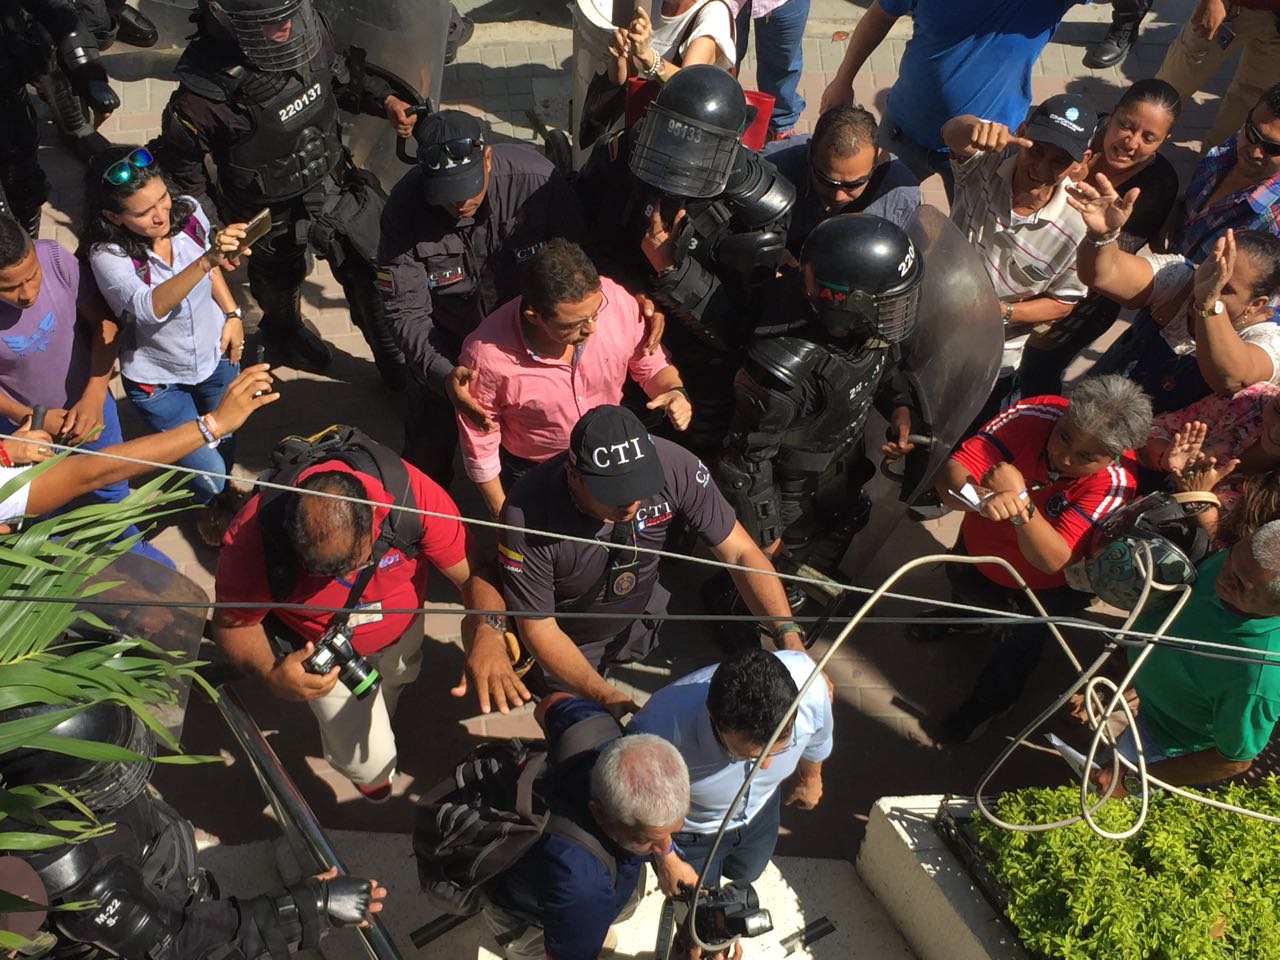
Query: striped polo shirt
(1025, 257)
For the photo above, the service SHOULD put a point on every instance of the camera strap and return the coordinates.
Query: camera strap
(366, 573)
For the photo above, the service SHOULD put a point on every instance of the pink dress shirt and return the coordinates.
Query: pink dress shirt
(534, 401)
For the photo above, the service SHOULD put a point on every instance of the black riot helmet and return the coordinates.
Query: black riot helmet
(690, 133)
(274, 35)
(862, 275)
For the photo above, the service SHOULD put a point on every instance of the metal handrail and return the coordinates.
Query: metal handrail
(296, 819)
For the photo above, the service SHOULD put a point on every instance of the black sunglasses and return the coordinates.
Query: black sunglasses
(843, 184)
(438, 156)
(123, 171)
(1270, 147)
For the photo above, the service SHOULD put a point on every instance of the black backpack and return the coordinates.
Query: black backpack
(475, 825)
(401, 529)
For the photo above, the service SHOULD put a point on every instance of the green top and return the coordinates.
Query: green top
(1192, 702)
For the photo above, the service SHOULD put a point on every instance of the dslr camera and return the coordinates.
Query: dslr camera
(723, 916)
(334, 649)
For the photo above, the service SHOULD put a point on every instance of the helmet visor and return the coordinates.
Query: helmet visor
(681, 156)
(889, 317)
(276, 37)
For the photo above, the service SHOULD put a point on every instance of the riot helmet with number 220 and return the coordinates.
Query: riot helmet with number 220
(690, 133)
(862, 275)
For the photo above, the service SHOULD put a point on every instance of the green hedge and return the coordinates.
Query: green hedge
(1195, 882)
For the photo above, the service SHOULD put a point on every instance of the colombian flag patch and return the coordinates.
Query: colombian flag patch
(512, 560)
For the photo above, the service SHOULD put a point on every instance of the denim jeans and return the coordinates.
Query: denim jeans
(164, 406)
(743, 853)
(779, 58)
(108, 436)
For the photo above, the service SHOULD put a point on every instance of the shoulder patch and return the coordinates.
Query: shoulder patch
(385, 281)
(511, 560)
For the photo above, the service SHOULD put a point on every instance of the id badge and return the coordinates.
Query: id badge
(622, 580)
(366, 613)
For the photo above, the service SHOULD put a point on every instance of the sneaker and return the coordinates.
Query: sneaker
(971, 720)
(376, 792)
(1112, 48)
(460, 30)
(302, 348)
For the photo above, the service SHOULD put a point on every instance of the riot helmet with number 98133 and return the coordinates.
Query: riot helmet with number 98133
(690, 133)
(862, 275)
(274, 35)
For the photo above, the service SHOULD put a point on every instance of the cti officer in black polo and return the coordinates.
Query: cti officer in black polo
(624, 489)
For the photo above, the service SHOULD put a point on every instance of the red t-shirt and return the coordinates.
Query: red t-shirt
(400, 581)
(1072, 505)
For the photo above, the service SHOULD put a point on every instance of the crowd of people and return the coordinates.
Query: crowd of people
(684, 340)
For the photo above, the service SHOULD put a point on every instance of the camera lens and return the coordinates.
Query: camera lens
(360, 677)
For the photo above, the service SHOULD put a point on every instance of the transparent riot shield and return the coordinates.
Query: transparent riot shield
(403, 41)
(951, 360)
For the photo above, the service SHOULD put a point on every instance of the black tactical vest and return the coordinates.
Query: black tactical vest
(846, 383)
(294, 144)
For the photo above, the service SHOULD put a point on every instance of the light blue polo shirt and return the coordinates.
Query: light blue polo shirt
(678, 713)
(971, 57)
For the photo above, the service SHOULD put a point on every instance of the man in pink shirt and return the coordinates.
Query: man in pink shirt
(539, 362)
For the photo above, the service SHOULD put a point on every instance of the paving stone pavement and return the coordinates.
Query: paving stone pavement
(884, 684)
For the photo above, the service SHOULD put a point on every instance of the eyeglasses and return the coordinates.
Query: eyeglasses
(123, 171)
(441, 156)
(782, 746)
(573, 326)
(1270, 147)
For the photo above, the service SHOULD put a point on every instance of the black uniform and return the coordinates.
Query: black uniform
(727, 248)
(37, 37)
(806, 387)
(274, 138)
(440, 277)
(153, 902)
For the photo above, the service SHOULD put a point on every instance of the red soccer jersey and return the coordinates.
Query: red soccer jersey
(1072, 505)
(400, 581)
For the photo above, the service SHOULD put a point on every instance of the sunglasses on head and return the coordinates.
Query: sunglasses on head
(123, 171)
(438, 156)
(1270, 147)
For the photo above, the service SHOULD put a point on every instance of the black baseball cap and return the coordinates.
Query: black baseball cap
(450, 156)
(1065, 121)
(614, 453)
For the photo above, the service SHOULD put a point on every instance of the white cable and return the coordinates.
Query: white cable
(827, 584)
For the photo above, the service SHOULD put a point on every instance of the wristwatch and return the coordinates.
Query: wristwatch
(1132, 784)
(228, 314)
(1212, 310)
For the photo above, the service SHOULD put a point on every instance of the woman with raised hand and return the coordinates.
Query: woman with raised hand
(157, 263)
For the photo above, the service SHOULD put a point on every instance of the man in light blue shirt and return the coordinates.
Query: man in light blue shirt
(718, 718)
(974, 57)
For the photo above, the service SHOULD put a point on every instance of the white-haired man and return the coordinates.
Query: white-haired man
(1204, 719)
(623, 801)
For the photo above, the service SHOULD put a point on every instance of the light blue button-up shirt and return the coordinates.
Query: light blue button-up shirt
(182, 345)
(678, 713)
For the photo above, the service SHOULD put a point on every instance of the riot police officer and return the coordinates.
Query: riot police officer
(36, 38)
(152, 900)
(704, 226)
(806, 386)
(259, 91)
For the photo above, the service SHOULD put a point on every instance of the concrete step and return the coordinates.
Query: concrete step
(795, 890)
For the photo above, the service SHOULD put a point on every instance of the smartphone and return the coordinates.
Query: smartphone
(623, 12)
(260, 356)
(255, 230)
(1224, 37)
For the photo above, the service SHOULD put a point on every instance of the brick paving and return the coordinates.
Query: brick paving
(885, 684)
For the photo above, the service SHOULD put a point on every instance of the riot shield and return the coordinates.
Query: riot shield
(156, 603)
(951, 360)
(404, 38)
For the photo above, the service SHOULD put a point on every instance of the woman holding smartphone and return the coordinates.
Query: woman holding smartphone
(157, 264)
